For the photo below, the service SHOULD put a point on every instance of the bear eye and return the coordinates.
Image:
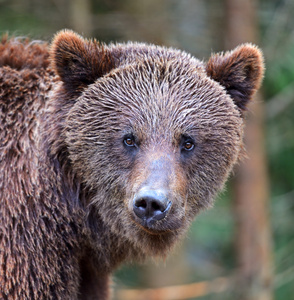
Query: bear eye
(188, 146)
(129, 141)
(187, 143)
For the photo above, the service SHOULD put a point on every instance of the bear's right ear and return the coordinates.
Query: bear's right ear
(239, 71)
(77, 61)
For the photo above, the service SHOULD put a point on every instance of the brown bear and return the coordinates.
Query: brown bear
(107, 153)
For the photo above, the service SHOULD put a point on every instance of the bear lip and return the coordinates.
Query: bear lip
(148, 226)
(155, 227)
(153, 231)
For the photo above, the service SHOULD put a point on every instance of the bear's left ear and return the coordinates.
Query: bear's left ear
(240, 71)
(77, 61)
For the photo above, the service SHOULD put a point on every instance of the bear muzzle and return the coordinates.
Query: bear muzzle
(151, 206)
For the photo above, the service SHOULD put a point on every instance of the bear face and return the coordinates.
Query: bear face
(151, 133)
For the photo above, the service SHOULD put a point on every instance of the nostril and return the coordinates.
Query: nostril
(156, 206)
(151, 205)
(141, 203)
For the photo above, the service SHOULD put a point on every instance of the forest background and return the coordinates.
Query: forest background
(243, 248)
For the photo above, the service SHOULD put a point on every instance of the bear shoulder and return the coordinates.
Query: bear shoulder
(25, 80)
(20, 53)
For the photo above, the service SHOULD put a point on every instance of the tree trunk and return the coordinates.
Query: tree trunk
(80, 17)
(251, 192)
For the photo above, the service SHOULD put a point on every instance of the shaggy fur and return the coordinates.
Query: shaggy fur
(68, 178)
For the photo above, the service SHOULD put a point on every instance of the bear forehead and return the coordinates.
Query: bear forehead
(130, 53)
(158, 98)
(158, 88)
(168, 91)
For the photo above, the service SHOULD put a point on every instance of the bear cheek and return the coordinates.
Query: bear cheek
(208, 169)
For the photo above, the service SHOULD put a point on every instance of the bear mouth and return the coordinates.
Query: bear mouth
(163, 226)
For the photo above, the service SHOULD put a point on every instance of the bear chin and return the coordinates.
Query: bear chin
(159, 243)
(156, 239)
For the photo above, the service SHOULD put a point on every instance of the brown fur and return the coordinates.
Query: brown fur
(67, 179)
(239, 71)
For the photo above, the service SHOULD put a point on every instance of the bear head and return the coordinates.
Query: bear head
(151, 133)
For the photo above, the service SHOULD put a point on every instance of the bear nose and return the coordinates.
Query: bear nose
(151, 206)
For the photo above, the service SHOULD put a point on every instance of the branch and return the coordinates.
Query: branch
(179, 292)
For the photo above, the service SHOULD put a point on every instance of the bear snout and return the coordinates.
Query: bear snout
(151, 206)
